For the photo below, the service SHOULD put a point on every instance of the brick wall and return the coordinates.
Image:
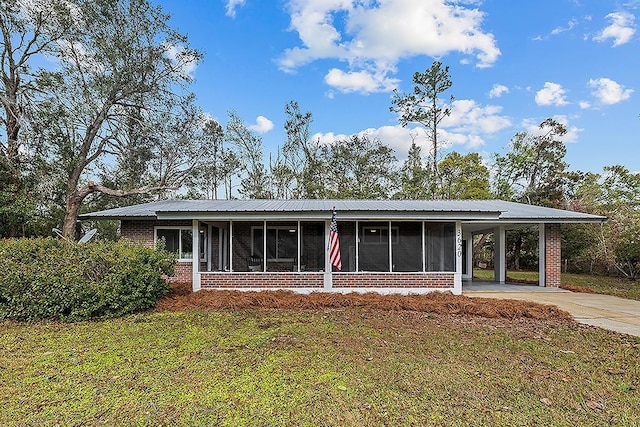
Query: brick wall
(553, 263)
(261, 280)
(242, 243)
(142, 231)
(184, 273)
(393, 280)
(214, 246)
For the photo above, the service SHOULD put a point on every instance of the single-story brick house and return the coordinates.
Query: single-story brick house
(388, 246)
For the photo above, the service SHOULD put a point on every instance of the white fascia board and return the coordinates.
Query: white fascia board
(321, 216)
(116, 217)
(596, 220)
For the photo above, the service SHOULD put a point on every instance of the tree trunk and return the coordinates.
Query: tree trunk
(74, 201)
(516, 253)
(478, 246)
(12, 115)
(76, 197)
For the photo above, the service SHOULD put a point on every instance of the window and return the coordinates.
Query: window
(374, 246)
(379, 234)
(440, 246)
(282, 242)
(177, 240)
(312, 246)
(406, 249)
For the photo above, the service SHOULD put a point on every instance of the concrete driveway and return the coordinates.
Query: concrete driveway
(613, 313)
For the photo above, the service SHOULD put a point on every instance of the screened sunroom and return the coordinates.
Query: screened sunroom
(300, 246)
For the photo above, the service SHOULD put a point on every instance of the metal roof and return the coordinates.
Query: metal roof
(482, 210)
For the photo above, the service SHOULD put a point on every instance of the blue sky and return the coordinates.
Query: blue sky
(512, 63)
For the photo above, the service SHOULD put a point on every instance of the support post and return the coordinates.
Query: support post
(552, 263)
(499, 254)
(467, 239)
(195, 255)
(542, 256)
(328, 268)
(457, 277)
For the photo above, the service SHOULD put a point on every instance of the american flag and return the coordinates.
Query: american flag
(334, 243)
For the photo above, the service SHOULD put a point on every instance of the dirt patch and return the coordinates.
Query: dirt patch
(182, 299)
(575, 288)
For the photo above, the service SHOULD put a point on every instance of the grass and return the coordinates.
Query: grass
(607, 285)
(615, 286)
(512, 275)
(347, 367)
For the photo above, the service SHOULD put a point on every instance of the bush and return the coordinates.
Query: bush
(61, 280)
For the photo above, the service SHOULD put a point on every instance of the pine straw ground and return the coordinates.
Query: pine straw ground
(182, 299)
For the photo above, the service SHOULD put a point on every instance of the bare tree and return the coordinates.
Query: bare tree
(254, 183)
(301, 154)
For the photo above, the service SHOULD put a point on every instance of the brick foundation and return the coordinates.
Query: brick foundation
(553, 261)
(342, 281)
(261, 280)
(184, 273)
(393, 280)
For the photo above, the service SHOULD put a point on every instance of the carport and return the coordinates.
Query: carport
(514, 216)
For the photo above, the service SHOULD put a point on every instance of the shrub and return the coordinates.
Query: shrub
(62, 280)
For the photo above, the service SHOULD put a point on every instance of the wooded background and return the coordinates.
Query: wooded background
(113, 123)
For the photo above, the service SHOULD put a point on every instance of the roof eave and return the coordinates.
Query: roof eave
(116, 217)
(342, 216)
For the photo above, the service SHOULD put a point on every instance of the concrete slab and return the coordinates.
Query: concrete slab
(478, 286)
(605, 311)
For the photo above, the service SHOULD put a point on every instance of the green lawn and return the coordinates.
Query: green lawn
(353, 367)
(518, 276)
(615, 286)
(604, 285)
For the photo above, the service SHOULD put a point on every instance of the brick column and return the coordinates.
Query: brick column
(552, 258)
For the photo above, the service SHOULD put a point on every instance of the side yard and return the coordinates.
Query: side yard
(615, 286)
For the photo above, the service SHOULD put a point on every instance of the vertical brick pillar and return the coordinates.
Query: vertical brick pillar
(553, 263)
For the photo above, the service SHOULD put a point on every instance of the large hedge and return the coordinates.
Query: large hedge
(62, 280)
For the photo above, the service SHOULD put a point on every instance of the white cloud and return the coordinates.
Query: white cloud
(397, 137)
(360, 81)
(498, 90)
(263, 125)
(584, 105)
(572, 131)
(551, 94)
(329, 138)
(232, 5)
(75, 51)
(570, 25)
(183, 59)
(467, 125)
(372, 36)
(28, 9)
(469, 122)
(533, 128)
(621, 29)
(609, 92)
